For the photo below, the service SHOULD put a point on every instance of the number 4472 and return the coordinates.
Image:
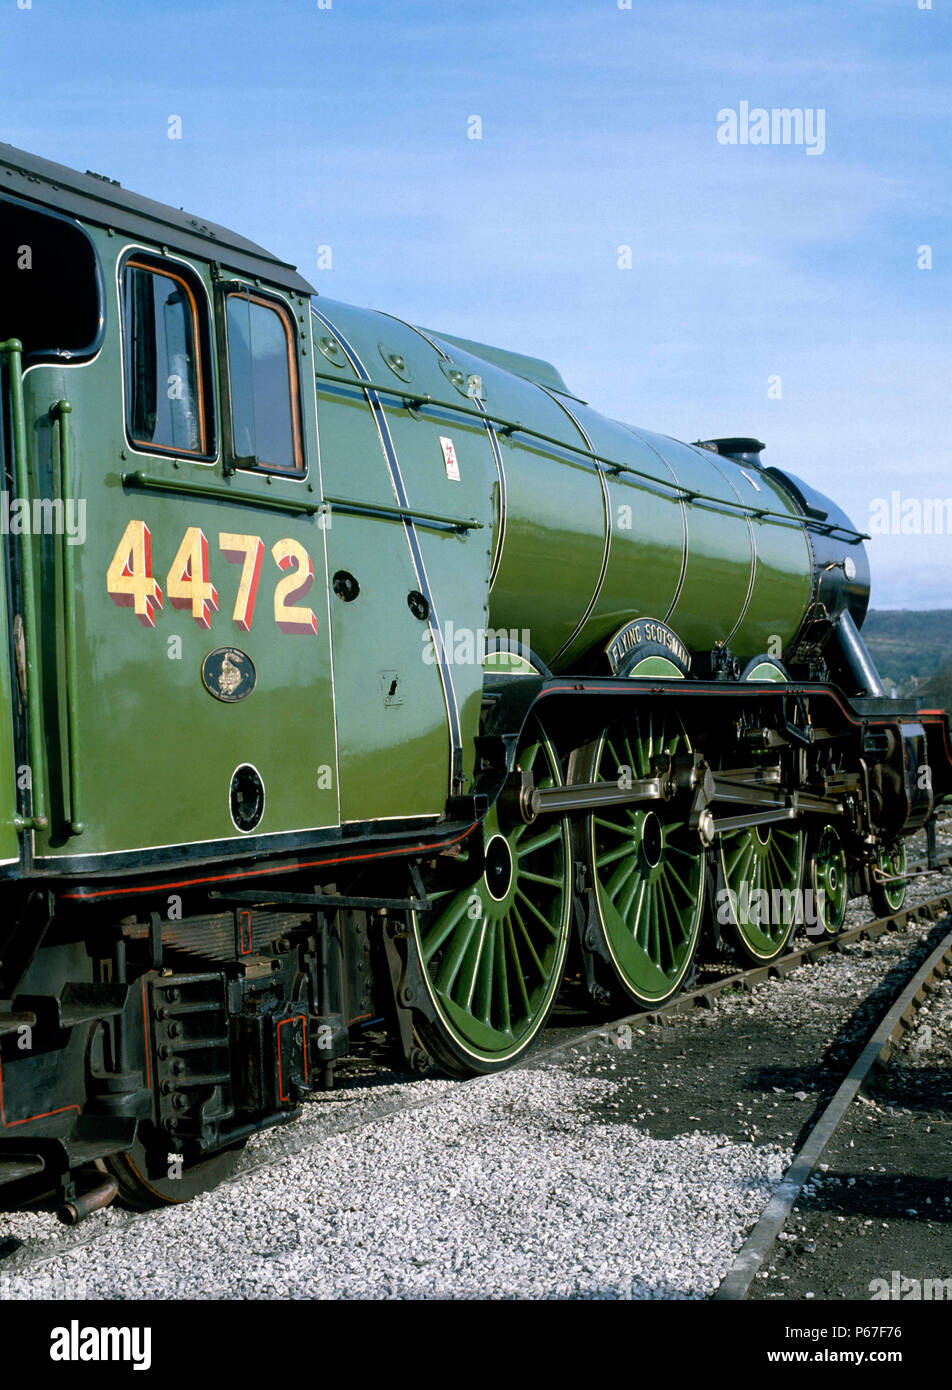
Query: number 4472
(130, 582)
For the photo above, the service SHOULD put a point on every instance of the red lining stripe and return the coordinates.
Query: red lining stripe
(10, 1124)
(261, 873)
(293, 1019)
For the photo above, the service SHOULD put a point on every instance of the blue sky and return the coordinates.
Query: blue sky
(305, 126)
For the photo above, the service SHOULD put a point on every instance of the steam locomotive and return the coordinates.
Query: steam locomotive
(361, 680)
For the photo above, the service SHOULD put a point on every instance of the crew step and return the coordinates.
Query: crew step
(81, 1002)
(12, 1169)
(9, 1022)
(83, 1151)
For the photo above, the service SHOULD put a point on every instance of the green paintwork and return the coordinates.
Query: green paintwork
(891, 895)
(765, 859)
(62, 413)
(656, 666)
(493, 950)
(378, 632)
(156, 751)
(9, 816)
(349, 726)
(507, 664)
(830, 879)
(32, 689)
(647, 868)
(767, 671)
(762, 859)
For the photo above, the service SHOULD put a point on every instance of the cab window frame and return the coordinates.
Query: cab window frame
(74, 356)
(186, 275)
(233, 461)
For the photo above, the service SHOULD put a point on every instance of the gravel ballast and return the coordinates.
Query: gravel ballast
(503, 1188)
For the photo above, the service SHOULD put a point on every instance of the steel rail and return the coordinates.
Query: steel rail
(757, 1247)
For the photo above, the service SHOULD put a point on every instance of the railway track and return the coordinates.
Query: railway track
(760, 1242)
(757, 1247)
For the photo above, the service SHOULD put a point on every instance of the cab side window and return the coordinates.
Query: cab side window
(165, 354)
(263, 383)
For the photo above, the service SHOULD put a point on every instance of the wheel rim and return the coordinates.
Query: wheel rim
(648, 873)
(762, 860)
(829, 879)
(144, 1180)
(493, 952)
(892, 862)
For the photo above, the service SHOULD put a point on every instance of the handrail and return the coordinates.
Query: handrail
(453, 523)
(418, 399)
(38, 820)
(61, 412)
(221, 492)
(199, 488)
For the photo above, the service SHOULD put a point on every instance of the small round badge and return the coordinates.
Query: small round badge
(229, 674)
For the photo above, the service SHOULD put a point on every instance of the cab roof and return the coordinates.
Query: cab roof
(97, 198)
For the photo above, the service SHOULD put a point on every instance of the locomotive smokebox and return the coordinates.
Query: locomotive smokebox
(841, 589)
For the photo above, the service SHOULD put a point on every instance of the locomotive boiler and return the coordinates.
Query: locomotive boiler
(358, 680)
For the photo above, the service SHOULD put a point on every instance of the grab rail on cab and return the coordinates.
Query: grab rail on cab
(13, 351)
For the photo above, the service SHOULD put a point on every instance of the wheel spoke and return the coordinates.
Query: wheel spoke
(518, 973)
(671, 872)
(465, 996)
(612, 855)
(638, 883)
(649, 891)
(528, 940)
(620, 877)
(743, 847)
(616, 829)
(443, 927)
(541, 878)
(450, 965)
(484, 983)
(542, 841)
(553, 931)
(502, 978)
(673, 913)
(778, 852)
(664, 919)
(653, 945)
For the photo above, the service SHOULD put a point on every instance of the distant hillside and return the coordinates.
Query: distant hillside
(936, 691)
(910, 647)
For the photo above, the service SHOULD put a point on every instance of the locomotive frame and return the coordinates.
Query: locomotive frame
(231, 839)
